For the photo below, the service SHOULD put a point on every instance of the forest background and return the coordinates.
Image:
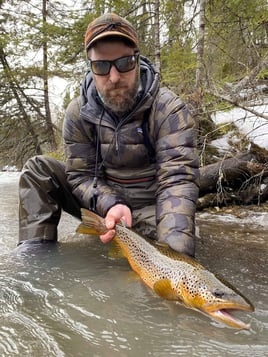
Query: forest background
(213, 53)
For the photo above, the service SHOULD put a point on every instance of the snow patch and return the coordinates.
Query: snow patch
(253, 127)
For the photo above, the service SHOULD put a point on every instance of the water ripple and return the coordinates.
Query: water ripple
(75, 301)
(25, 335)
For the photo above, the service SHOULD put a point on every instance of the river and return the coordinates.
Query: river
(74, 300)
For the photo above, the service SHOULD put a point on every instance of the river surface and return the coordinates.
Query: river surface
(75, 300)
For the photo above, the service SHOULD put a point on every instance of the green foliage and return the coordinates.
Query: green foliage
(177, 55)
(223, 129)
(178, 67)
(237, 36)
(235, 42)
(57, 154)
(72, 40)
(263, 74)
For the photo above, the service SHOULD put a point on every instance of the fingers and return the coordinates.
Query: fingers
(110, 221)
(127, 219)
(115, 215)
(107, 237)
(110, 224)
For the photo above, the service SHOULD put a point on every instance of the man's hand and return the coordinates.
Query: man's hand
(115, 215)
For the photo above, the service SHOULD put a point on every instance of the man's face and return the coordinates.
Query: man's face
(117, 90)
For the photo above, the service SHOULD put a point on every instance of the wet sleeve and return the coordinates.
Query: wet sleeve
(177, 175)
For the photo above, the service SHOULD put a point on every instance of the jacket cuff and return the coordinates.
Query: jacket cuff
(104, 204)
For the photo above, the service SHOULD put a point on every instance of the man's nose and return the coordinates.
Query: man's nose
(114, 75)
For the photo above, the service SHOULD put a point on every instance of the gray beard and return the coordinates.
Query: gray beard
(127, 104)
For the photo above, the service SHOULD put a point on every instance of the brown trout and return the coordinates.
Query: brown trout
(172, 275)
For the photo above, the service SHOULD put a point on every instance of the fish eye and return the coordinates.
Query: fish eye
(218, 293)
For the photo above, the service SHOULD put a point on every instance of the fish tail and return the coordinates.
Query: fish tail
(91, 223)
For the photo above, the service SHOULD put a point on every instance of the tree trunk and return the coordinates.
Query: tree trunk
(200, 46)
(157, 36)
(51, 136)
(16, 89)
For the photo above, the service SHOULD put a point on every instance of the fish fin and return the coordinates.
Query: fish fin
(83, 229)
(161, 244)
(115, 251)
(91, 223)
(164, 289)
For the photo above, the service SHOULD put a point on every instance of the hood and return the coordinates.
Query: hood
(150, 82)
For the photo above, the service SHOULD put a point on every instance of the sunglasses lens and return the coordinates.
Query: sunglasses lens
(101, 68)
(124, 64)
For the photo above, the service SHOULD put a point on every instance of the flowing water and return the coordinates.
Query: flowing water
(75, 300)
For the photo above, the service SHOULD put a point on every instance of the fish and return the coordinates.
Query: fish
(173, 276)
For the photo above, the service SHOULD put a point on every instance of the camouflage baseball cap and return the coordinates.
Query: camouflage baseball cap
(110, 25)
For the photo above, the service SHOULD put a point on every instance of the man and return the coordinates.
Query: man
(130, 150)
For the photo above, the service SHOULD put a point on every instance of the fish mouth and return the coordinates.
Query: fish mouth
(224, 313)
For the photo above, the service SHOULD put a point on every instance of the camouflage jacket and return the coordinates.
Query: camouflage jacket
(116, 152)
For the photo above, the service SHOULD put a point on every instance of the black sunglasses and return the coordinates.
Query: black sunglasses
(122, 64)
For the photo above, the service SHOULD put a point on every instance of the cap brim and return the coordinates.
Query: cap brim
(110, 33)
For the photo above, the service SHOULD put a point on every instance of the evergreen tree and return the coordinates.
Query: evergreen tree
(42, 43)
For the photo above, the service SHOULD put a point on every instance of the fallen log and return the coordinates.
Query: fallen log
(251, 195)
(227, 171)
(242, 179)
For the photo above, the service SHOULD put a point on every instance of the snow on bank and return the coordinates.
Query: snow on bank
(7, 177)
(253, 127)
(249, 218)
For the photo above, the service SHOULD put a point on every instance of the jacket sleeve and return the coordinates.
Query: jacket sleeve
(177, 173)
(80, 152)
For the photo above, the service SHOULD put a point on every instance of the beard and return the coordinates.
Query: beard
(119, 97)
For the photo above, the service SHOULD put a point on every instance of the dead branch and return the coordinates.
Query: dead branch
(242, 179)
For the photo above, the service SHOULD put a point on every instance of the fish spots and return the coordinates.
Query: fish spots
(175, 276)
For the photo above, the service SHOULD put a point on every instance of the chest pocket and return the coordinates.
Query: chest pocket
(128, 146)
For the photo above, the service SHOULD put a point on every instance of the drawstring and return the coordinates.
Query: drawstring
(97, 150)
(94, 192)
(93, 196)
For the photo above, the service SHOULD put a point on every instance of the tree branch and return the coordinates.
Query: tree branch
(236, 103)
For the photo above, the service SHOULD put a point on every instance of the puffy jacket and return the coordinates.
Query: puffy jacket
(117, 152)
